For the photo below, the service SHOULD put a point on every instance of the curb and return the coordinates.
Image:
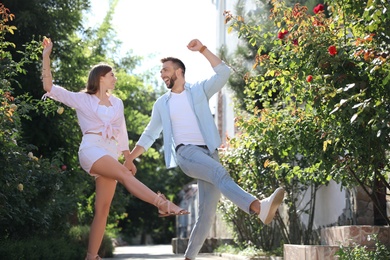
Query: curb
(240, 257)
(232, 257)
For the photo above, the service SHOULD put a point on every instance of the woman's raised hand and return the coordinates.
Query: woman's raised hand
(47, 46)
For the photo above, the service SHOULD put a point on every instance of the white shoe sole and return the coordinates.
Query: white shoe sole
(276, 200)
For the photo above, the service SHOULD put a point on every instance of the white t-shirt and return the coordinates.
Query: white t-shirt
(105, 113)
(184, 123)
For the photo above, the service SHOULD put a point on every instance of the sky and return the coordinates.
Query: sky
(155, 29)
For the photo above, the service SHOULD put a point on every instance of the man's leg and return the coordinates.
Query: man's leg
(200, 164)
(209, 196)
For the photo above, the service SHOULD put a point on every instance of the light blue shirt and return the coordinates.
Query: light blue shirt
(198, 95)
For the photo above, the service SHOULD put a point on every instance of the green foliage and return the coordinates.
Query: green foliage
(229, 249)
(70, 246)
(316, 101)
(38, 194)
(31, 187)
(249, 250)
(50, 131)
(52, 136)
(42, 248)
(341, 82)
(244, 164)
(359, 252)
(80, 235)
(31, 195)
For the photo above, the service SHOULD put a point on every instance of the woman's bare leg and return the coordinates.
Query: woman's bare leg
(105, 189)
(110, 168)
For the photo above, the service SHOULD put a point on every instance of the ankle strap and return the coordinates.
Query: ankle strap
(92, 257)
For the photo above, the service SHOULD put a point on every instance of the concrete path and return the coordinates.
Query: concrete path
(153, 252)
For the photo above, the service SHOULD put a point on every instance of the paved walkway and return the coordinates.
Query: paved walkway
(153, 252)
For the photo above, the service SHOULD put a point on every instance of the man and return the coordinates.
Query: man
(191, 140)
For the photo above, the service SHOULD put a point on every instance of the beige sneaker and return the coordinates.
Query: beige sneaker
(269, 206)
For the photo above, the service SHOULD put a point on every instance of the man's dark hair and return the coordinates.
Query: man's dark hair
(176, 62)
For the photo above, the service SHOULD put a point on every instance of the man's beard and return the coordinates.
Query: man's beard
(172, 81)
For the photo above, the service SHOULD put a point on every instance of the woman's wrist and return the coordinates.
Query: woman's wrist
(46, 73)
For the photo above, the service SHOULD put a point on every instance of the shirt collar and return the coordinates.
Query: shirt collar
(168, 94)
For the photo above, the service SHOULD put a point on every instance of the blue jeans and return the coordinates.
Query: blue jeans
(213, 179)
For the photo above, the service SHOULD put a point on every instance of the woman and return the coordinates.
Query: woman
(102, 122)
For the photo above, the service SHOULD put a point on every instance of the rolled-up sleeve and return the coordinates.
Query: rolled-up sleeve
(216, 82)
(123, 138)
(152, 130)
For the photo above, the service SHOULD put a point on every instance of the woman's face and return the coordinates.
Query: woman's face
(108, 81)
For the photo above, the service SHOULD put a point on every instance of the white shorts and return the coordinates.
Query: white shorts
(92, 148)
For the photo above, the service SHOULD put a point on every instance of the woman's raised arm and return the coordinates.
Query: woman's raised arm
(47, 78)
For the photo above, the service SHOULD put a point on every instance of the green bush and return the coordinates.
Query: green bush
(72, 247)
(317, 102)
(80, 235)
(359, 252)
(31, 188)
(42, 248)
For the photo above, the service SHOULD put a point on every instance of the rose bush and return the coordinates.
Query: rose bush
(29, 186)
(337, 127)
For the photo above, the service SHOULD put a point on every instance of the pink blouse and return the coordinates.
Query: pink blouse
(86, 106)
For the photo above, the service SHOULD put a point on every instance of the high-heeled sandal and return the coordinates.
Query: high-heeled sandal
(91, 257)
(160, 201)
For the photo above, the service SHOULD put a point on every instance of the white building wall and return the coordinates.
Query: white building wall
(329, 205)
(225, 97)
(230, 41)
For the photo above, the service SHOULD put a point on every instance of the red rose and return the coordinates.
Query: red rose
(318, 8)
(332, 50)
(309, 78)
(282, 34)
(295, 42)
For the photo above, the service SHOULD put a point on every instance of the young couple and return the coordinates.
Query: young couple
(190, 138)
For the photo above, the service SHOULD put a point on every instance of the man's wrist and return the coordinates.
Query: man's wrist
(202, 48)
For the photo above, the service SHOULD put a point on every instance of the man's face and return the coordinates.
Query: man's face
(168, 74)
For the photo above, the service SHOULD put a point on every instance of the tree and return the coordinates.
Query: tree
(325, 100)
(51, 129)
(30, 185)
